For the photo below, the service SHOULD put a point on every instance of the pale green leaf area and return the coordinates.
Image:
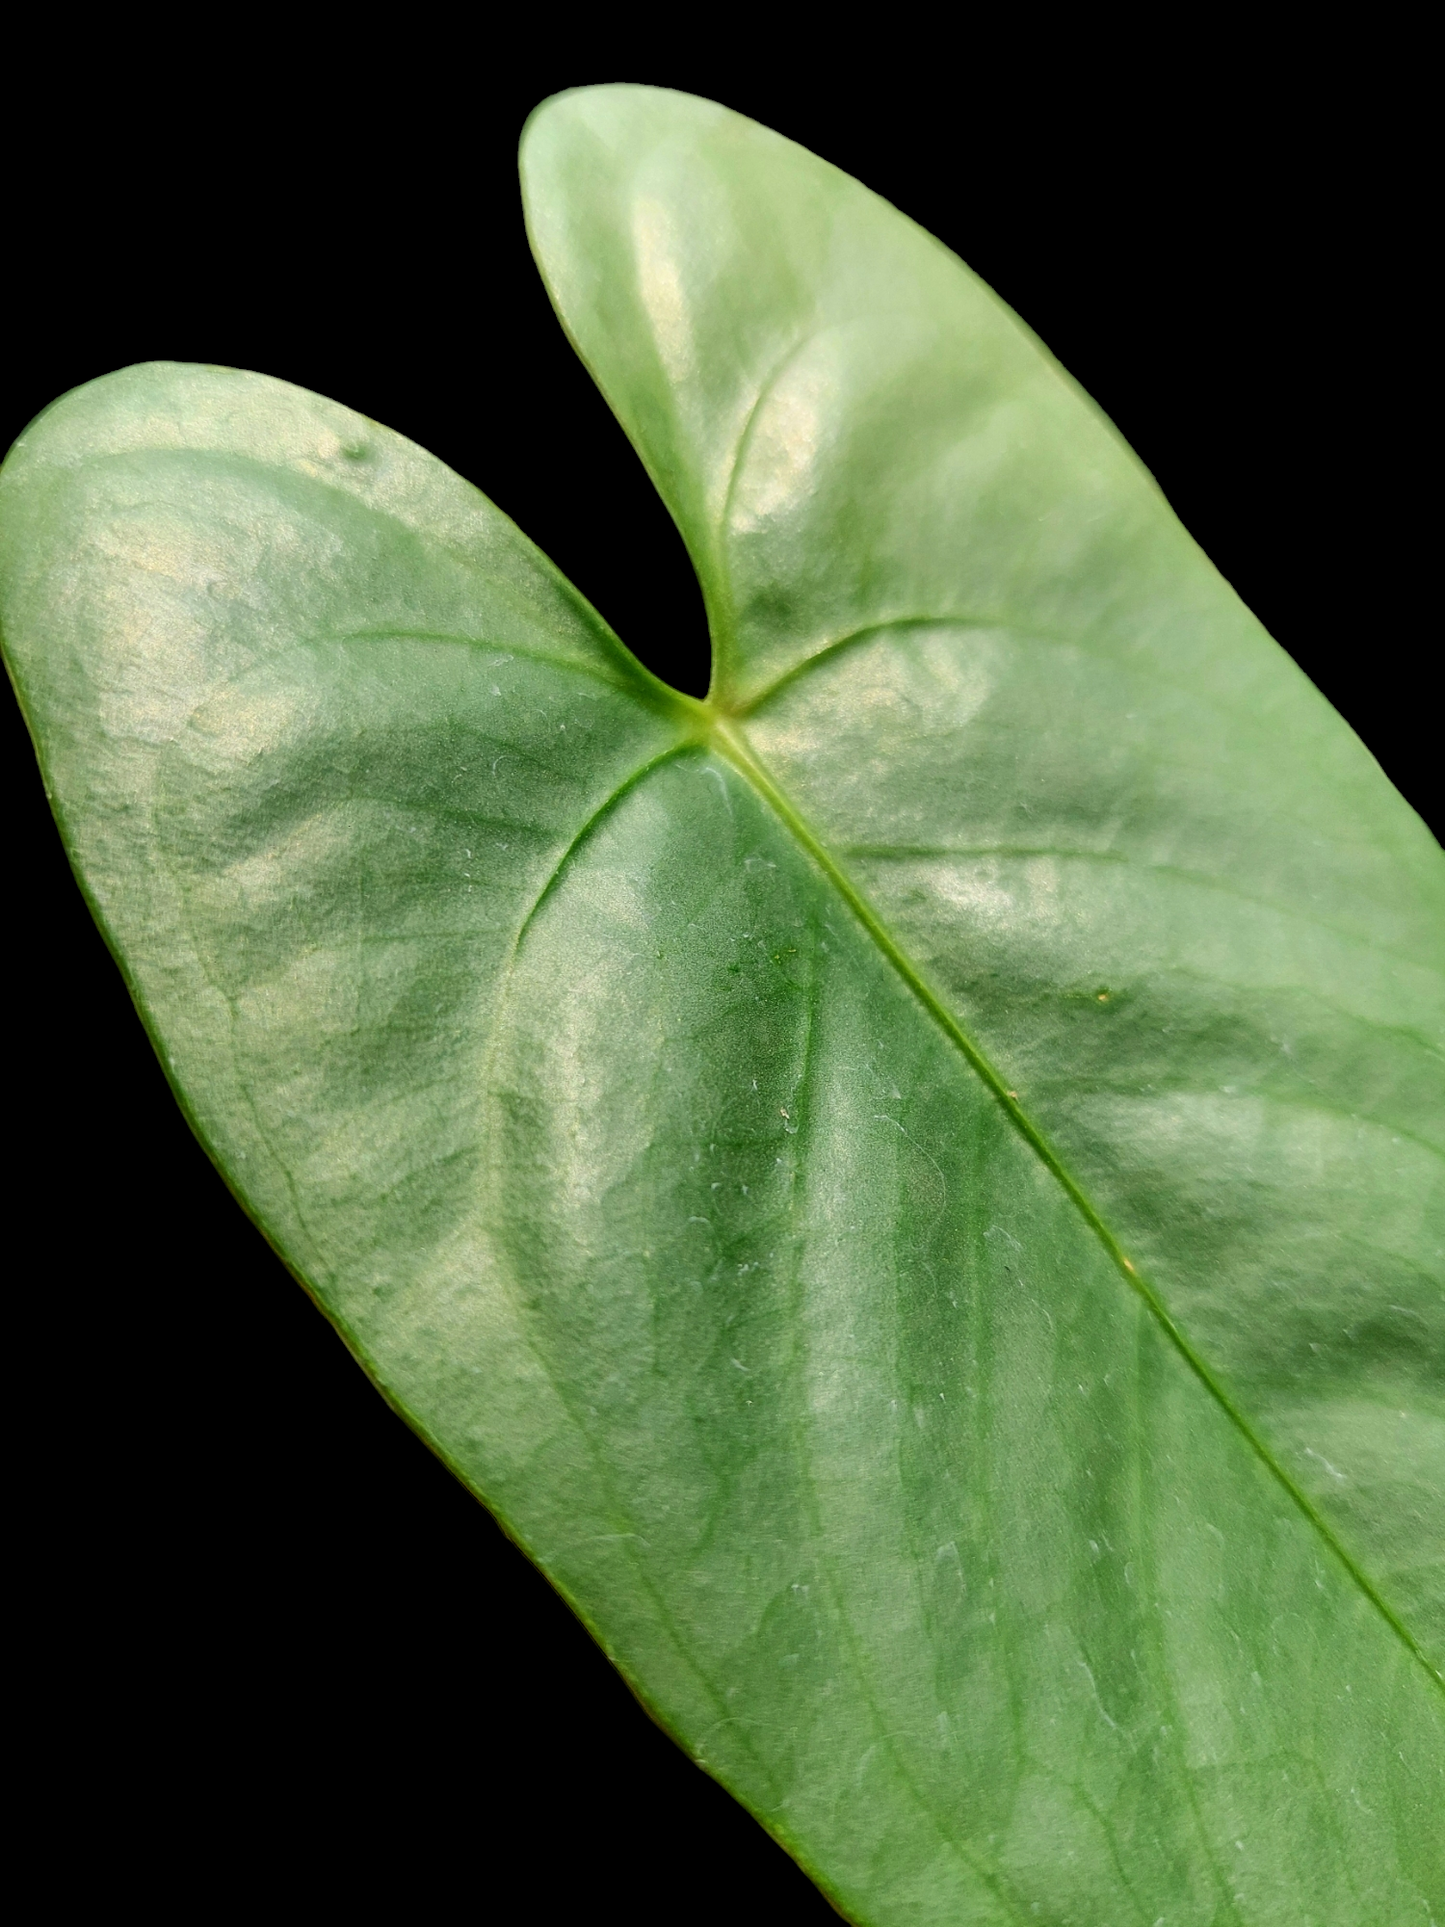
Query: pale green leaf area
(911, 1187)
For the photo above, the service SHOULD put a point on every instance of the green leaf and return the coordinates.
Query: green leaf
(909, 1187)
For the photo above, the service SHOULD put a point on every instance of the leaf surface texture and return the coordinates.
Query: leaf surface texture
(911, 1187)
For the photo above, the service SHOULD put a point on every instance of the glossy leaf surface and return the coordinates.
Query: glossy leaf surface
(908, 1186)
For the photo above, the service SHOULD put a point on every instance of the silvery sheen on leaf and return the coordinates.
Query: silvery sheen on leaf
(910, 1187)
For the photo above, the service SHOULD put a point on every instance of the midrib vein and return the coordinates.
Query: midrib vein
(731, 743)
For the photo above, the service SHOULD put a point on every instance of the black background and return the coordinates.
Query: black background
(282, 1657)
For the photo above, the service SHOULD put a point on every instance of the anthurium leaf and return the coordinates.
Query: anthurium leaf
(908, 1186)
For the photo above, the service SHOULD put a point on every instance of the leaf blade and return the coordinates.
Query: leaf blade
(678, 1311)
